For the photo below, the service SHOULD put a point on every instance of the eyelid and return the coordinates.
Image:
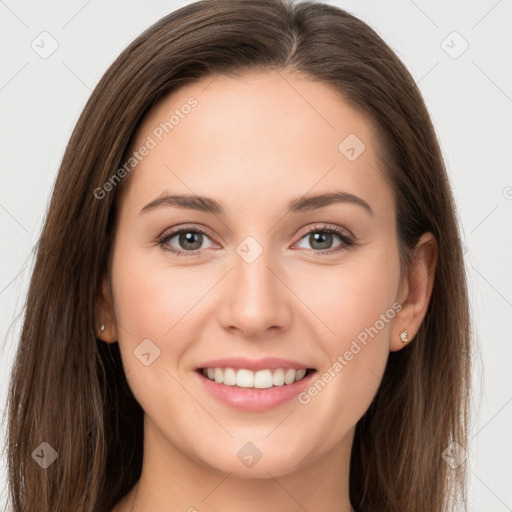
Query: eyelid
(325, 226)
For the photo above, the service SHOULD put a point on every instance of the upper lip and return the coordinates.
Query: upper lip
(253, 364)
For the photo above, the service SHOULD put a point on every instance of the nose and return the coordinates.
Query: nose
(256, 301)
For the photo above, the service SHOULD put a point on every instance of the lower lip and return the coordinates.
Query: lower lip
(253, 399)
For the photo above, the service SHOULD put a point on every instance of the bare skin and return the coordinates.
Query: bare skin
(254, 144)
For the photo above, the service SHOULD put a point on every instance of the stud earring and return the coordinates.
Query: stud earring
(102, 328)
(403, 337)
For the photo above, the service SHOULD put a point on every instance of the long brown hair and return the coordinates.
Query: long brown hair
(68, 388)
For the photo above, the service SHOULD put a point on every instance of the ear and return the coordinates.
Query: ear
(415, 291)
(105, 313)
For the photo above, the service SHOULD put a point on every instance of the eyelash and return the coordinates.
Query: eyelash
(348, 241)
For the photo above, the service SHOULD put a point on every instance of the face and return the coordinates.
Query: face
(265, 280)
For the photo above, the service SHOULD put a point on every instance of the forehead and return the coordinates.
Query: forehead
(272, 134)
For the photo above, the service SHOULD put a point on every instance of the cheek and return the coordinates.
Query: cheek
(351, 299)
(152, 305)
(151, 299)
(154, 302)
(357, 306)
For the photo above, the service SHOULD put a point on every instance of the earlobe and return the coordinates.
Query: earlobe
(404, 336)
(105, 320)
(418, 291)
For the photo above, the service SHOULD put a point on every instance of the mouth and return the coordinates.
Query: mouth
(261, 379)
(258, 389)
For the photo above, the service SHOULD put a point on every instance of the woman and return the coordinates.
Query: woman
(253, 370)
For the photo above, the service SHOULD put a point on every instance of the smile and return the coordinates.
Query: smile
(262, 379)
(253, 385)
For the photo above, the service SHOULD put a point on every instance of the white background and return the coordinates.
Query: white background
(470, 101)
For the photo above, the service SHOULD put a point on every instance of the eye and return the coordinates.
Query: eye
(321, 238)
(188, 240)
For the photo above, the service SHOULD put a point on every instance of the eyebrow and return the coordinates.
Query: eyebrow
(299, 204)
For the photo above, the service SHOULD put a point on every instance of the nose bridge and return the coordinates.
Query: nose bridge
(255, 299)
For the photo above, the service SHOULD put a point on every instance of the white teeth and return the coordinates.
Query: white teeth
(278, 377)
(300, 374)
(229, 377)
(289, 376)
(261, 379)
(244, 378)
